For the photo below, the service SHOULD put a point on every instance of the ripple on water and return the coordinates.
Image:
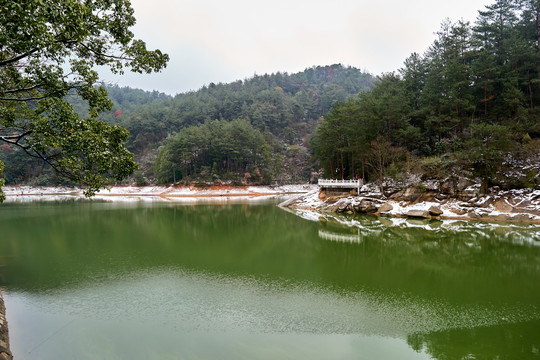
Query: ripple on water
(196, 301)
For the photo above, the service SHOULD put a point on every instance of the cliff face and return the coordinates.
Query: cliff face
(5, 353)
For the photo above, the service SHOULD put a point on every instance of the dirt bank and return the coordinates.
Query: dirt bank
(162, 192)
(5, 353)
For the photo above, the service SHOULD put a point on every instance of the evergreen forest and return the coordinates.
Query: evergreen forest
(470, 105)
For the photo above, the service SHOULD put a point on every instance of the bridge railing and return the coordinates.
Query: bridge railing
(341, 183)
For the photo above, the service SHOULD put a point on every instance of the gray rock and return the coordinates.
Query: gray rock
(448, 187)
(412, 193)
(397, 195)
(459, 211)
(418, 214)
(500, 217)
(441, 197)
(385, 208)
(435, 211)
(463, 183)
(366, 206)
(521, 217)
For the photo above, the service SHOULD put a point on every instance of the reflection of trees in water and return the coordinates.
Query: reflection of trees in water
(428, 236)
(509, 341)
(467, 266)
(463, 262)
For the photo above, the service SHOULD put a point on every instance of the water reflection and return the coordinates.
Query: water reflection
(508, 341)
(254, 268)
(504, 251)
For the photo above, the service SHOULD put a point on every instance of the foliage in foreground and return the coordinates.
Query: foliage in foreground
(49, 50)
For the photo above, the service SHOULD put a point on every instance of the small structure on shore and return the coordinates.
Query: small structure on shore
(341, 185)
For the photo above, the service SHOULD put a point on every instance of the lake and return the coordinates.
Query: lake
(239, 279)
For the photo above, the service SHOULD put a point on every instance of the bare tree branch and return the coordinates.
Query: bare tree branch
(18, 57)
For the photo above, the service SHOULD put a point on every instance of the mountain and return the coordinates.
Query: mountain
(255, 130)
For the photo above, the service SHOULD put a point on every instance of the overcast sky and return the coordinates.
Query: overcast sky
(227, 40)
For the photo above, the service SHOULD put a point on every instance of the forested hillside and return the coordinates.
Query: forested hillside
(255, 130)
(469, 106)
(271, 120)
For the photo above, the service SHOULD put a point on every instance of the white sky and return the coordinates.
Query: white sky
(227, 40)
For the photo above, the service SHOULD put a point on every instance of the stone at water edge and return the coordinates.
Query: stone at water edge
(502, 205)
(435, 211)
(418, 214)
(459, 211)
(385, 208)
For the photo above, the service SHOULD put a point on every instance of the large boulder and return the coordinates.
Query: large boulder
(413, 193)
(418, 214)
(454, 186)
(385, 208)
(342, 208)
(366, 206)
(448, 187)
(435, 211)
(502, 205)
(463, 183)
(459, 211)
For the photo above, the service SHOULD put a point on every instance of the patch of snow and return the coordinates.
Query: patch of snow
(474, 187)
(117, 192)
(310, 215)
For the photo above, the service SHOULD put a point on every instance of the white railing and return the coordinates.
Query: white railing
(341, 183)
(340, 237)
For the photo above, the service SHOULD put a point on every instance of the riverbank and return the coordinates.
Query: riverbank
(458, 201)
(5, 353)
(521, 205)
(113, 193)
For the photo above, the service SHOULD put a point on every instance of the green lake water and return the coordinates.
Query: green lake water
(249, 280)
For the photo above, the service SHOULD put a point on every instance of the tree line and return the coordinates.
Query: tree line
(469, 104)
(177, 138)
(284, 108)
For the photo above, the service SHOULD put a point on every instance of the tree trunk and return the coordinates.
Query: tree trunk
(485, 99)
(342, 170)
(363, 171)
(485, 186)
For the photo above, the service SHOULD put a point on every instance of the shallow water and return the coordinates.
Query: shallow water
(234, 280)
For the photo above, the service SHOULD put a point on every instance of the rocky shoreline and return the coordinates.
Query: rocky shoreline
(5, 353)
(457, 201)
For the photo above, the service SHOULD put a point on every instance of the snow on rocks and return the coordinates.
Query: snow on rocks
(521, 205)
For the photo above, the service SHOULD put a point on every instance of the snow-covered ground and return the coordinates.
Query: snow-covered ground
(515, 205)
(152, 193)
